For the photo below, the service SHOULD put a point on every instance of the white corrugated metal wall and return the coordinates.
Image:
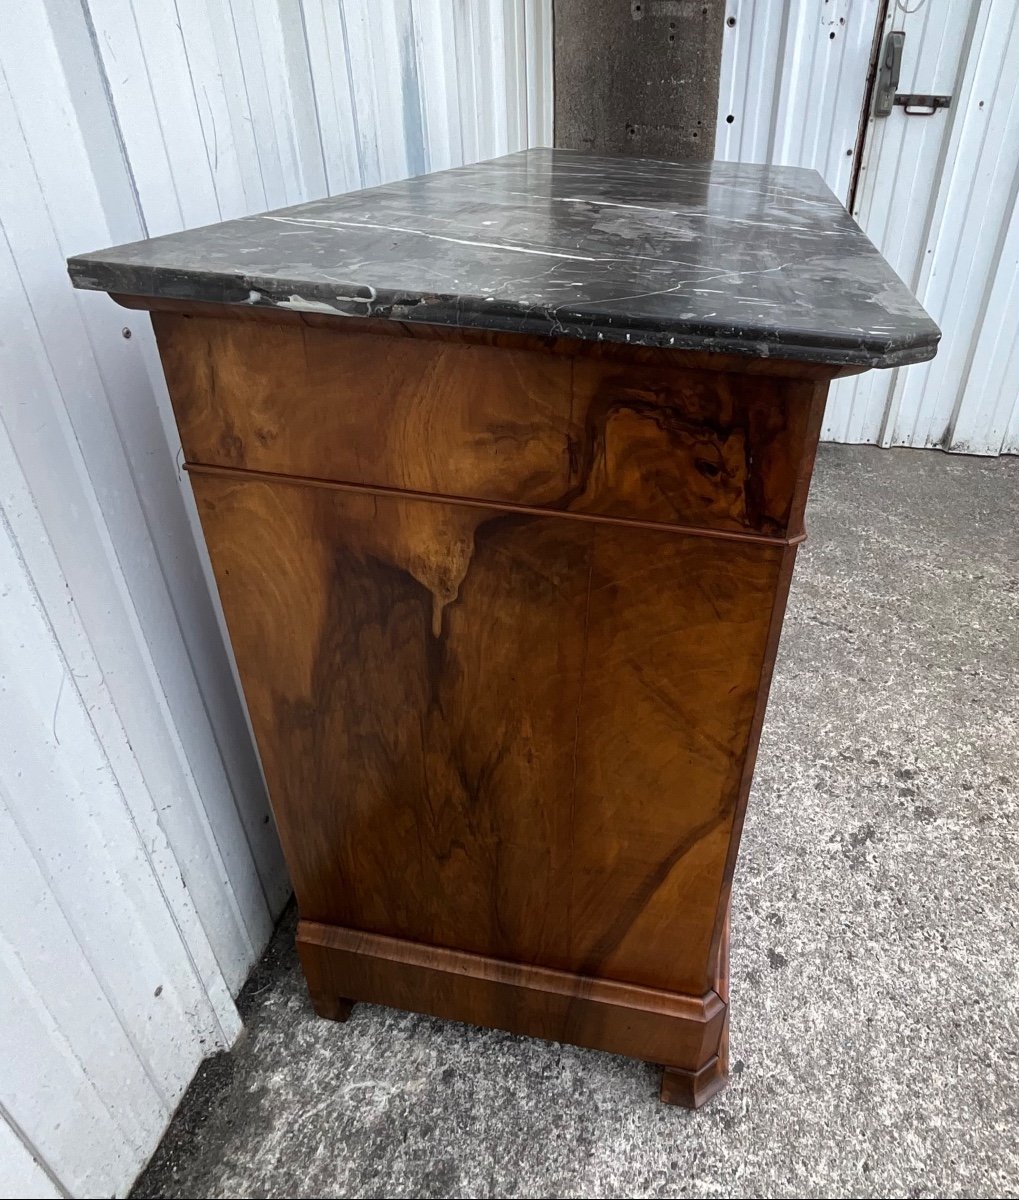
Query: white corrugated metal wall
(938, 194)
(792, 84)
(139, 869)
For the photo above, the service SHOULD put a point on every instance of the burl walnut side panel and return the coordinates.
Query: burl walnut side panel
(543, 768)
(505, 617)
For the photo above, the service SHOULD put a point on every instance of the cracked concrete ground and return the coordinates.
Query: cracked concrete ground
(875, 1019)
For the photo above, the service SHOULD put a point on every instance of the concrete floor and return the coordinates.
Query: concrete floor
(875, 1020)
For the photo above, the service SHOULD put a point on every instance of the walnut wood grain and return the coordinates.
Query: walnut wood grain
(681, 1031)
(505, 615)
(656, 443)
(694, 1087)
(509, 713)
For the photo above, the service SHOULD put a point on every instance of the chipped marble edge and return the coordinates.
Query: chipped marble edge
(488, 313)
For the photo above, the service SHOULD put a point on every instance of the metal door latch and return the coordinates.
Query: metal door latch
(888, 73)
(885, 96)
(922, 106)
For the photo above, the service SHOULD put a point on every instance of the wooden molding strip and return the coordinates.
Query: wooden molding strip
(480, 966)
(673, 1029)
(527, 510)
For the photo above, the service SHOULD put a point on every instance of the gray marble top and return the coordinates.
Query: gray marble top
(710, 256)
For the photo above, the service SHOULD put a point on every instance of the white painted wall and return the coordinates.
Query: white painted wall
(939, 195)
(139, 869)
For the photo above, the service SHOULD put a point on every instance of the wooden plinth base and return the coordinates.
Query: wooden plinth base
(332, 1008)
(693, 1089)
(685, 1033)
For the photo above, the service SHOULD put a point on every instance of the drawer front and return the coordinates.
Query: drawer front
(513, 426)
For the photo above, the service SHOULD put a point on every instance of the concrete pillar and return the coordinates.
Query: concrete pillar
(638, 77)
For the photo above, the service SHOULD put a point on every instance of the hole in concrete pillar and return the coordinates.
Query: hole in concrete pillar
(729, 119)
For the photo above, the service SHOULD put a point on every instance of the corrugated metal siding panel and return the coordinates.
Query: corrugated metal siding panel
(898, 202)
(938, 196)
(793, 78)
(96, 926)
(85, 426)
(1001, 351)
(951, 402)
(21, 1171)
(136, 854)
